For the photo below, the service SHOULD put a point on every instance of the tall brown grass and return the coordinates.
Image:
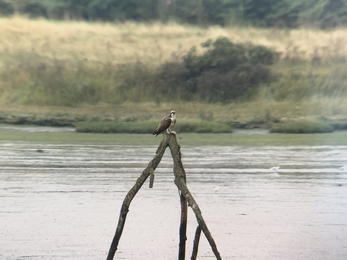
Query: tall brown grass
(312, 69)
(155, 42)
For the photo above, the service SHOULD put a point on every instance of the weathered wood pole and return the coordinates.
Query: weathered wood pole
(180, 182)
(184, 218)
(185, 197)
(183, 228)
(131, 194)
(196, 243)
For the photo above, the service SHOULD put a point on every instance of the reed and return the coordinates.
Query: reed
(79, 68)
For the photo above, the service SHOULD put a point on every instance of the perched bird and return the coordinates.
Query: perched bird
(166, 124)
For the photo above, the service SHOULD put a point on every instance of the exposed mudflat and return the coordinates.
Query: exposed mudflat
(62, 201)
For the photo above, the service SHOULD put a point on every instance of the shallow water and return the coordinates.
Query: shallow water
(63, 202)
(36, 129)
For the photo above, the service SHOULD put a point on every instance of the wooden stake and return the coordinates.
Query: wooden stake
(181, 184)
(183, 228)
(185, 197)
(131, 194)
(196, 243)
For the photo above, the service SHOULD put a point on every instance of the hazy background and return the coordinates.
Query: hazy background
(221, 60)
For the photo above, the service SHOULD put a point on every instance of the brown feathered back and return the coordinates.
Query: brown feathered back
(166, 123)
(163, 125)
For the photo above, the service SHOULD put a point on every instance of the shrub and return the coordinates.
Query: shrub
(302, 127)
(34, 10)
(6, 9)
(225, 72)
(280, 13)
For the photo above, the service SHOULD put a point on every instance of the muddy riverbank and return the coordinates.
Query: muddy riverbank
(63, 202)
(243, 137)
(66, 119)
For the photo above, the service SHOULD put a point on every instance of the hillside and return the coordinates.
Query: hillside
(74, 69)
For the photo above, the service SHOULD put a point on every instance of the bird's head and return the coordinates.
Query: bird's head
(172, 113)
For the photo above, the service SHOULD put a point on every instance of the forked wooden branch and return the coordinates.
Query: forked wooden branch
(180, 182)
(185, 197)
(131, 194)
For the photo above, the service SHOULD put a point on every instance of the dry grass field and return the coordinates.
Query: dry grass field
(313, 64)
(154, 42)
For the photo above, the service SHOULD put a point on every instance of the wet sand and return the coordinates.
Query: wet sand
(63, 202)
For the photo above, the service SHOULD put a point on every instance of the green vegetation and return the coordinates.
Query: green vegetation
(6, 8)
(203, 127)
(225, 71)
(274, 13)
(33, 79)
(184, 139)
(62, 73)
(302, 127)
(221, 71)
(147, 127)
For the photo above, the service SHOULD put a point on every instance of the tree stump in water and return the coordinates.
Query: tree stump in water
(186, 198)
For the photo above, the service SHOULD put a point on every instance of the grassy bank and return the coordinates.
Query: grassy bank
(302, 127)
(184, 139)
(243, 115)
(73, 71)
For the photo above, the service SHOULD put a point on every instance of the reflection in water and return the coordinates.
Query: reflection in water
(63, 203)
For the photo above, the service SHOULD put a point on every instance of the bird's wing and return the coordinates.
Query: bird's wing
(163, 125)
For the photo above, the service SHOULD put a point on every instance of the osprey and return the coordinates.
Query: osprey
(166, 124)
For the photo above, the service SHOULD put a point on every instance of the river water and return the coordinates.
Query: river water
(63, 201)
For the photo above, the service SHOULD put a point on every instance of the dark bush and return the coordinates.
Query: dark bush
(272, 13)
(6, 9)
(227, 71)
(34, 10)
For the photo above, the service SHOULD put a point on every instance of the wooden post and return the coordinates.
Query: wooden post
(185, 198)
(183, 228)
(181, 184)
(196, 243)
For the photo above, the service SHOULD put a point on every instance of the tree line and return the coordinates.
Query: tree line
(269, 13)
